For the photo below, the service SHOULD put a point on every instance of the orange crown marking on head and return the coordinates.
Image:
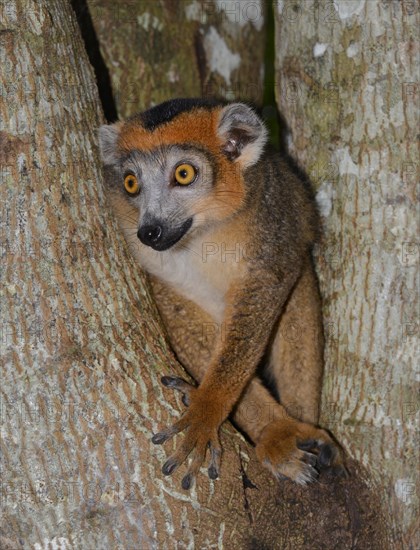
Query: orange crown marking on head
(199, 126)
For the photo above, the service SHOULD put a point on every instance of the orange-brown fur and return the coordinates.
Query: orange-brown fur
(198, 126)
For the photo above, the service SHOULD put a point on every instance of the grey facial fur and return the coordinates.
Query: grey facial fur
(160, 198)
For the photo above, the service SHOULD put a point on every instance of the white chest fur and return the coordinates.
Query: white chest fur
(202, 270)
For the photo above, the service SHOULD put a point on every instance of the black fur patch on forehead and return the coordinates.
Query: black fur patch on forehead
(165, 112)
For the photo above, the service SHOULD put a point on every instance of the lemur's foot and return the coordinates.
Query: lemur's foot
(201, 423)
(298, 451)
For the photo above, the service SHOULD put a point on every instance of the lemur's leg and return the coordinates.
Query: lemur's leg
(296, 356)
(287, 447)
(282, 442)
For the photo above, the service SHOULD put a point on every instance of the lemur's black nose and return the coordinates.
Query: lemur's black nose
(150, 235)
(160, 235)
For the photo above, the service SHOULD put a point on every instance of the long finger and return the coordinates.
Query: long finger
(180, 455)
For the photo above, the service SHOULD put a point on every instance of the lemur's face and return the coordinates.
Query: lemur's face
(170, 186)
(180, 165)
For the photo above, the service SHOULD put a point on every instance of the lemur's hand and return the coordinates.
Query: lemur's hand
(201, 423)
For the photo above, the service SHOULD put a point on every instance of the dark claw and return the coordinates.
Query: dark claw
(185, 399)
(307, 444)
(171, 381)
(213, 469)
(326, 455)
(169, 467)
(187, 481)
(160, 438)
(213, 473)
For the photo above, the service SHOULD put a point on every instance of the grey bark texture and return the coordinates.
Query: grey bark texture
(82, 347)
(160, 49)
(347, 84)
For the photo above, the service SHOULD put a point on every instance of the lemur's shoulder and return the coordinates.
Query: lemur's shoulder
(284, 196)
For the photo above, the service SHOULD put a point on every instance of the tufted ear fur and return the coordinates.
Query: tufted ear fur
(108, 137)
(243, 133)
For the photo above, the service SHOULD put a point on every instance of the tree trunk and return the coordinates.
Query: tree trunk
(82, 348)
(345, 84)
(160, 49)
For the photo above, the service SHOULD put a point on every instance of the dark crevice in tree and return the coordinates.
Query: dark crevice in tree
(200, 58)
(270, 112)
(90, 39)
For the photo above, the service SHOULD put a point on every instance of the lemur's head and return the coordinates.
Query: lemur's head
(181, 164)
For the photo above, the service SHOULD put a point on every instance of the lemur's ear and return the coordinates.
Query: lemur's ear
(243, 133)
(108, 136)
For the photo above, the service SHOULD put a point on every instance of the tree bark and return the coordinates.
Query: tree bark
(82, 347)
(346, 86)
(160, 49)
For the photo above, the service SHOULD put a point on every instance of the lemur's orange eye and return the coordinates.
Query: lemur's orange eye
(185, 174)
(131, 184)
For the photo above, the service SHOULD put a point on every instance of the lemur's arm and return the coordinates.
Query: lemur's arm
(251, 311)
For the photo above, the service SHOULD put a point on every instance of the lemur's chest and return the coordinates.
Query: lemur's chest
(202, 270)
